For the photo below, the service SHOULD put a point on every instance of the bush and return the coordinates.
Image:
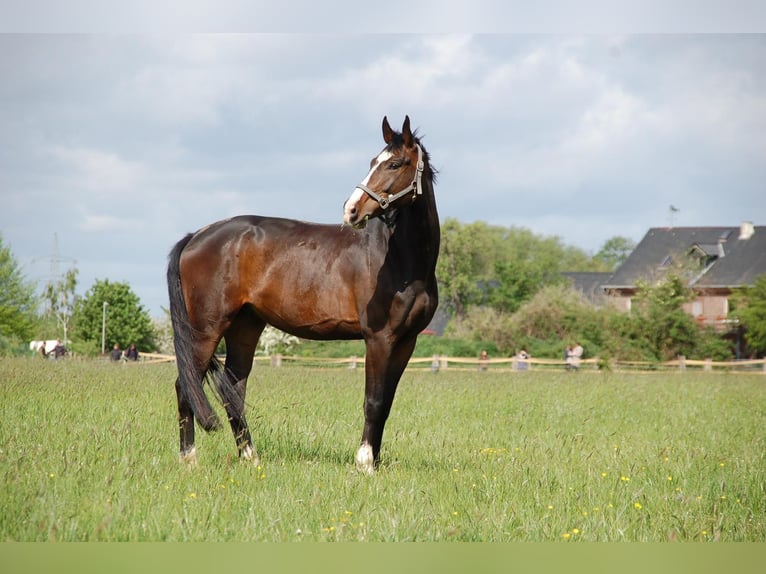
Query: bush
(11, 346)
(429, 345)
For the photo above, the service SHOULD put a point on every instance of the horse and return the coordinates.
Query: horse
(372, 278)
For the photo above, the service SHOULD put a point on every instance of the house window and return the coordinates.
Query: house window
(696, 308)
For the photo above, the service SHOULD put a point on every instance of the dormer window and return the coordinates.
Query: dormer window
(705, 253)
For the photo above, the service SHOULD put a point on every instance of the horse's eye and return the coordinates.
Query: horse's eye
(395, 165)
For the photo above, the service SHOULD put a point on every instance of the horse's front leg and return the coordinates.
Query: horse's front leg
(384, 365)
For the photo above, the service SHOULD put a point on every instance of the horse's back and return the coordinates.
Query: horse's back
(303, 278)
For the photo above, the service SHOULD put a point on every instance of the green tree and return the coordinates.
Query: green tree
(660, 320)
(60, 298)
(463, 263)
(126, 319)
(501, 266)
(750, 309)
(614, 252)
(528, 262)
(18, 303)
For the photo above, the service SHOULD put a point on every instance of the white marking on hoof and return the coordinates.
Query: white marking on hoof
(190, 457)
(365, 461)
(248, 453)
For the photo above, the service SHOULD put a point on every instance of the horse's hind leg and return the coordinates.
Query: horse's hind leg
(241, 339)
(186, 427)
(202, 355)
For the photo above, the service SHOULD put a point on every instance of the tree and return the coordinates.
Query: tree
(18, 303)
(274, 341)
(666, 329)
(528, 262)
(60, 297)
(750, 309)
(126, 319)
(614, 252)
(463, 263)
(500, 266)
(163, 333)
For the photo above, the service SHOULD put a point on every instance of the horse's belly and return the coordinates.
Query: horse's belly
(322, 329)
(310, 314)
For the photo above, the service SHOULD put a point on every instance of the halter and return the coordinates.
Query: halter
(414, 187)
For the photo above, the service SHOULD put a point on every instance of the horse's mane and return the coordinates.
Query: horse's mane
(397, 141)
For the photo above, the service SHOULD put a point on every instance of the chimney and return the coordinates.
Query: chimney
(746, 230)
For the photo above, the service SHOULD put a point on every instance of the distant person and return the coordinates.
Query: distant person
(521, 360)
(116, 353)
(483, 361)
(41, 348)
(59, 351)
(577, 352)
(568, 358)
(132, 353)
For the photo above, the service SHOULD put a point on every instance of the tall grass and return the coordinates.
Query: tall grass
(88, 451)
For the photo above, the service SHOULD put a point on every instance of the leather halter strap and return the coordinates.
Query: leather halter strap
(415, 187)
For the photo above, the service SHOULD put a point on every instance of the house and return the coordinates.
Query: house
(589, 284)
(715, 260)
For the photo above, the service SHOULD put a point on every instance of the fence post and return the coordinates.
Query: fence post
(681, 363)
(708, 365)
(352, 363)
(276, 360)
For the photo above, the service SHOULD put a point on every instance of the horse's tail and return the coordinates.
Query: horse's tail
(190, 380)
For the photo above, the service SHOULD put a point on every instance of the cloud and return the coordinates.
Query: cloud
(98, 223)
(122, 144)
(98, 170)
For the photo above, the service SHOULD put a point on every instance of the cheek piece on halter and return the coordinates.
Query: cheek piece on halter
(414, 187)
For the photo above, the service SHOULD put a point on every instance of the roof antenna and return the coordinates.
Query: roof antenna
(672, 215)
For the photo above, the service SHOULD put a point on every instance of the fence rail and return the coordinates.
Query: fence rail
(441, 362)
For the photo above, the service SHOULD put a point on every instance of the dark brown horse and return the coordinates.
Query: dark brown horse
(371, 278)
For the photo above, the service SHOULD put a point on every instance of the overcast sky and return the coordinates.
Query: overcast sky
(120, 144)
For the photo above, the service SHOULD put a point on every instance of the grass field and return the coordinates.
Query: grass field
(88, 451)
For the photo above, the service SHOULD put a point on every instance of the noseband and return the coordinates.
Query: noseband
(414, 187)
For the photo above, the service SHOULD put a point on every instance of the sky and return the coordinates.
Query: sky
(114, 145)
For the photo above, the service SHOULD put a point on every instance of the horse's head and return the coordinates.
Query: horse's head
(394, 178)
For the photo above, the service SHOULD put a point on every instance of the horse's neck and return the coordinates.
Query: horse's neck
(414, 234)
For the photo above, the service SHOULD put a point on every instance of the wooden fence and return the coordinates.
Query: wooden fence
(441, 363)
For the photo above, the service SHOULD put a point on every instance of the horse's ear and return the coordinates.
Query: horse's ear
(388, 133)
(406, 132)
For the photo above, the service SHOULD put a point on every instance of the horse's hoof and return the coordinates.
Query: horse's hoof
(365, 461)
(249, 454)
(189, 457)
